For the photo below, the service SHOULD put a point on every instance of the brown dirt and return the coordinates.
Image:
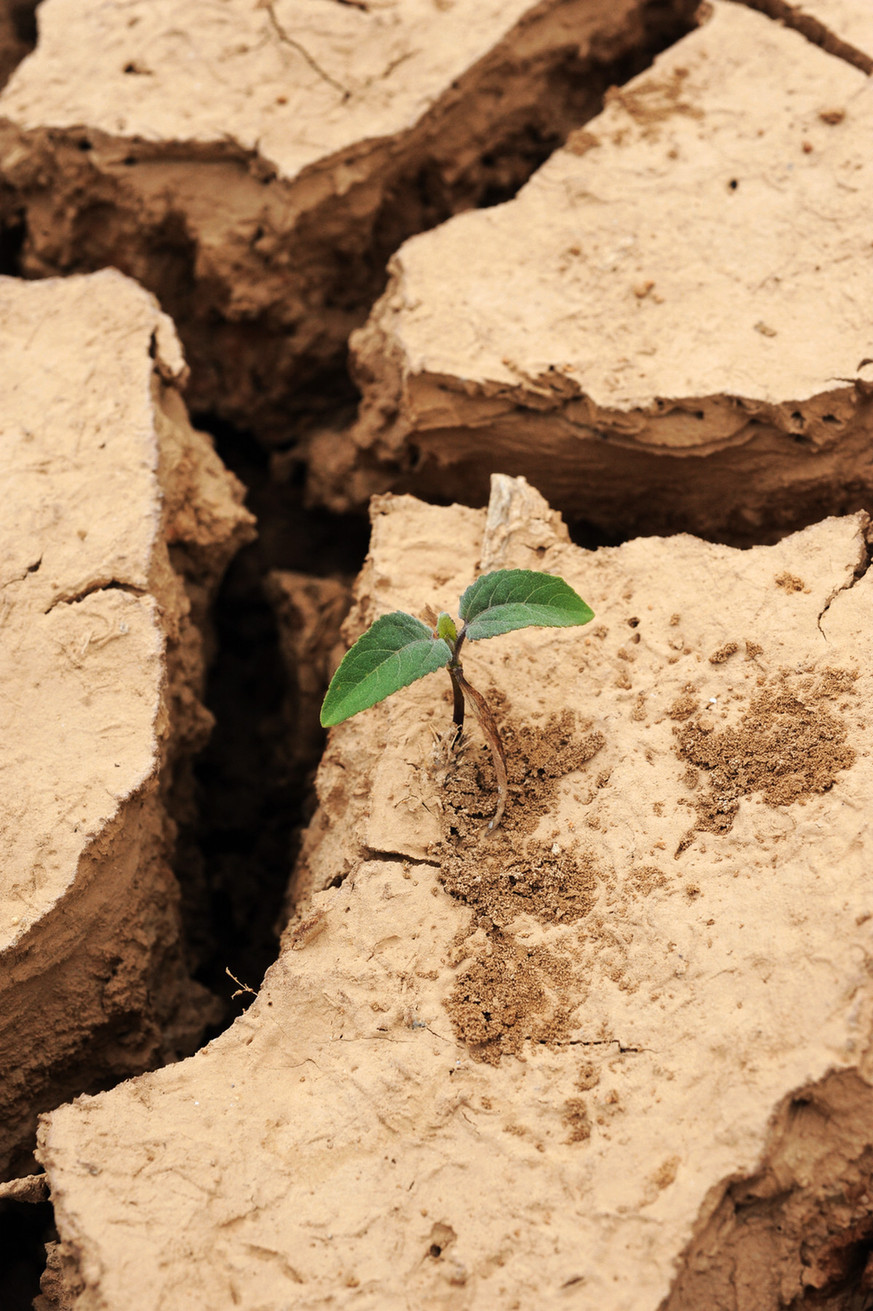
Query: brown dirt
(655, 394)
(783, 748)
(509, 994)
(789, 744)
(597, 1056)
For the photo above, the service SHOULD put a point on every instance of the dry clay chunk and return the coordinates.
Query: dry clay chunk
(569, 1060)
(254, 164)
(666, 328)
(109, 497)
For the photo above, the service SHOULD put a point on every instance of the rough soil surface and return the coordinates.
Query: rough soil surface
(255, 164)
(637, 1062)
(666, 328)
(118, 522)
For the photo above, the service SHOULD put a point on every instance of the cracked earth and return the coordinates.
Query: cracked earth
(310, 312)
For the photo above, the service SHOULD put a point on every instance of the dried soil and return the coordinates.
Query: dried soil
(783, 748)
(790, 743)
(618, 1051)
(262, 206)
(509, 994)
(619, 1070)
(562, 337)
(119, 522)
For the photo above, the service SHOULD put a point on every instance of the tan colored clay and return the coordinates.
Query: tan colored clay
(118, 521)
(704, 1022)
(255, 164)
(663, 328)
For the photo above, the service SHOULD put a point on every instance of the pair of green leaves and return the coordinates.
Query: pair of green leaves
(398, 649)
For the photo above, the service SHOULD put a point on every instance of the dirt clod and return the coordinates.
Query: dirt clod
(789, 745)
(790, 582)
(508, 994)
(577, 1120)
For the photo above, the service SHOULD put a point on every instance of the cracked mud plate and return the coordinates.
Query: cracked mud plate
(563, 1061)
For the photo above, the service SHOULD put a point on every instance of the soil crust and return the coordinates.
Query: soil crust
(616, 1052)
(583, 1052)
(721, 385)
(119, 521)
(254, 165)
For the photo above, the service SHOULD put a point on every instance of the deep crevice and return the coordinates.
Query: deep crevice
(23, 15)
(25, 1228)
(12, 238)
(254, 789)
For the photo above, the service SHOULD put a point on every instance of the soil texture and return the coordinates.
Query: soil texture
(447, 287)
(119, 522)
(562, 1055)
(721, 388)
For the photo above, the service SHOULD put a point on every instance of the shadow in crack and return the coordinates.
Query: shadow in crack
(17, 35)
(798, 1234)
(254, 780)
(25, 1228)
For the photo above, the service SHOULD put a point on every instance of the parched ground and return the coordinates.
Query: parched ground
(488, 1068)
(575, 287)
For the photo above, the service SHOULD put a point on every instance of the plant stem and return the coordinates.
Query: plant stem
(457, 701)
(488, 725)
(454, 667)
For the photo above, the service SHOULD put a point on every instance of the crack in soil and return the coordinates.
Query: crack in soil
(19, 578)
(285, 37)
(815, 31)
(102, 585)
(397, 858)
(860, 570)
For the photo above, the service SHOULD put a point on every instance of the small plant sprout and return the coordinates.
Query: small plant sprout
(398, 649)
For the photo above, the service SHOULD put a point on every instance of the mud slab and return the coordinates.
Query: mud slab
(118, 522)
(664, 329)
(617, 1052)
(255, 165)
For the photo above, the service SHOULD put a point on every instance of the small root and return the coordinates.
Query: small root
(488, 724)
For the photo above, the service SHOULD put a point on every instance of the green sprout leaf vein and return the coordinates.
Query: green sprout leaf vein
(395, 651)
(520, 598)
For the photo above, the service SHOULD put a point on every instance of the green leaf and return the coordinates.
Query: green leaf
(520, 598)
(395, 651)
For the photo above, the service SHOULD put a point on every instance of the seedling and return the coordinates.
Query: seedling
(398, 649)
